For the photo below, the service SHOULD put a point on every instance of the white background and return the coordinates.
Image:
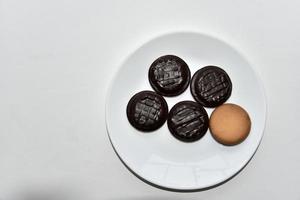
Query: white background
(56, 61)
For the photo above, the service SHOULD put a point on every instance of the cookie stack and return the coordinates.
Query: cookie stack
(188, 121)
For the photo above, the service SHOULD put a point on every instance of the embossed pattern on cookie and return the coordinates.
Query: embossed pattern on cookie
(169, 75)
(188, 121)
(211, 86)
(147, 111)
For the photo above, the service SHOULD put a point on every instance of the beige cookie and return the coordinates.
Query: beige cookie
(229, 124)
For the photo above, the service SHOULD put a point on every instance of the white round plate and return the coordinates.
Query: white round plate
(157, 157)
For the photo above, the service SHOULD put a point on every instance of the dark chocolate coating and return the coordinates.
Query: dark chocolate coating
(147, 111)
(188, 121)
(211, 86)
(169, 75)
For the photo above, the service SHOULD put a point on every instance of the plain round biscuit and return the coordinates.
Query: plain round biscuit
(229, 124)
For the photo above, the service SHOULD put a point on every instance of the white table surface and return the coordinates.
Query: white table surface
(57, 59)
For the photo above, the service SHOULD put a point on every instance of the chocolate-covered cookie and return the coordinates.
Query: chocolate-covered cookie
(188, 121)
(169, 75)
(147, 111)
(211, 86)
